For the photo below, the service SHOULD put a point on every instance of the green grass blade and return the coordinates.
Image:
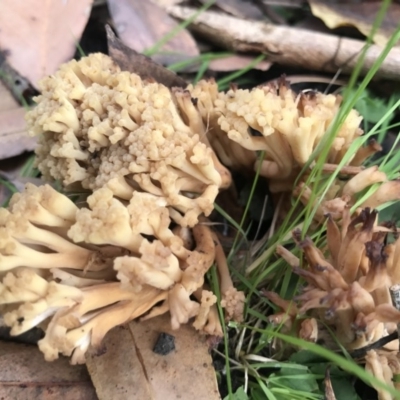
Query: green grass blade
(184, 24)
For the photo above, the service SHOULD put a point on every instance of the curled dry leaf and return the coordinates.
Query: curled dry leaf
(141, 24)
(361, 16)
(139, 373)
(38, 36)
(130, 60)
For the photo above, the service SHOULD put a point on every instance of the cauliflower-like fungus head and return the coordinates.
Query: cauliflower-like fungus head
(101, 127)
(273, 118)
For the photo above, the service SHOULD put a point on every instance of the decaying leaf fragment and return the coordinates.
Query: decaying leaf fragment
(38, 36)
(14, 138)
(139, 373)
(142, 24)
(239, 8)
(24, 376)
(14, 82)
(130, 60)
(360, 15)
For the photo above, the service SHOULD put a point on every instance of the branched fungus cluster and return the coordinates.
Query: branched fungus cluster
(346, 299)
(287, 127)
(136, 247)
(348, 290)
(99, 127)
(149, 162)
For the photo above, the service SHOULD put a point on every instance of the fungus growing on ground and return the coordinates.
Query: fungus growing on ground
(231, 153)
(33, 233)
(78, 272)
(349, 289)
(142, 151)
(288, 127)
(344, 194)
(285, 125)
(346, 286)
(147, 158)
(100, 127)
(386, 367)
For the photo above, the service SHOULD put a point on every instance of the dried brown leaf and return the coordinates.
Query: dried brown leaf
(239, 8)
(130, 60)
(13, 81)
(14, 138)
(139, 373)
(166, 3)
(141, 24)
(329, 392)
(38, 35)
(24, 375)
(360, 16)
(236, 62)
(285, 3)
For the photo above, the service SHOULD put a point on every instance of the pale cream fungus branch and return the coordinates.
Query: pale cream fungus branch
(78, 272)
(232, 300)
(79, 316)
(287, 127)
(274, 119)
(124, 134)
(33, 233)
(232, 154)
(383, 366)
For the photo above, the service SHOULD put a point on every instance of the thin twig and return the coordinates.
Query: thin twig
(361, 352)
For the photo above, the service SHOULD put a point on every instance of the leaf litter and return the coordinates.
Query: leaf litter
(33, 67)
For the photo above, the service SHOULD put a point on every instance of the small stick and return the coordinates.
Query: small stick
(346, 169)
(290, 46)
(362, 351)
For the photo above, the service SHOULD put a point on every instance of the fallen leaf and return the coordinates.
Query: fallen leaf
(14, 138)
(38, 35)
(237, 62)
(140, 373)
(361, 16)
(239, 8)
(226, 63)
(285, 3)
(130, 60)
(166, 3)
(25, 375)
(14, 82)
(142, 24)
